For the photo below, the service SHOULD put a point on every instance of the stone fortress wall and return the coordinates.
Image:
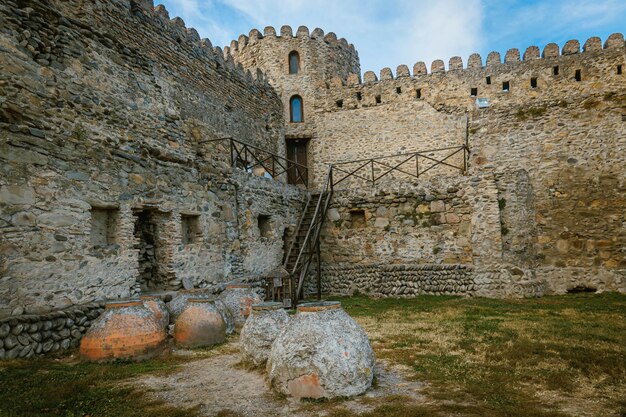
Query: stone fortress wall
(107, 186)
(321, 58)
(552, 140)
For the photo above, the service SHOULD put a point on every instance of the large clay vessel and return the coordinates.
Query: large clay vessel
(262, 327)
(155, 304)
(226, 315)
(126, 330)
(322, 353)
(200, 324)
(239, 298)
(178, 303)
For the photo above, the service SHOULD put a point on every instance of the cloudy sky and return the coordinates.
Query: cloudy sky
(391, 32)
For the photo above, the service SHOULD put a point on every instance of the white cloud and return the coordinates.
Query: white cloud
(385, 33)
(444, 29)
(388, 33)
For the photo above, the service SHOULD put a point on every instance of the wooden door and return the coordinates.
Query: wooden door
(296, 152)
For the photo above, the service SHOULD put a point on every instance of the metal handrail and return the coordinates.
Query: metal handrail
(400, 154)
(311, 241)
(295, 236)
(313, 233)
(258, 160)
(390, 167)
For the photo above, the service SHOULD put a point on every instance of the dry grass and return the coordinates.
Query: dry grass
(548, 357)
(554, 356)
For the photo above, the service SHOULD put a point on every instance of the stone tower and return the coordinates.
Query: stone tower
(297, 66)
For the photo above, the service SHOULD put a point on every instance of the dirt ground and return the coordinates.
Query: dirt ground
(220, 385)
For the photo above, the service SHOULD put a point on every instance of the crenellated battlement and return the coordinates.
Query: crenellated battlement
(321, 55)
(202, 47)
(494, 59)
(286, 33)
(485, 79)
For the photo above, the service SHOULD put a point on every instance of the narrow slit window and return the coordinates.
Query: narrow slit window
(555, 70)
(339, 103)
(488, 80)
(418, 93)
(104, 226)
(294, 62)
(296, 109)
(533, 83)
(578, 75)
(357, 219)
(619, 70)
(378, 100)
(359, 96)
(398, 90)
(190, 228)
(473, 92)
(266, 227)
(506, 86)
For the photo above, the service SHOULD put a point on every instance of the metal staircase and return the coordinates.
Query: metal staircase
(305, 245)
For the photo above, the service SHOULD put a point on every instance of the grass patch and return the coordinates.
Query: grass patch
(63, 386)
(548, 357)
(494, 357)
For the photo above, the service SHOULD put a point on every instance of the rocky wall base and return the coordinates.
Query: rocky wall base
(408, 280)
(398, 280)
(28, 335)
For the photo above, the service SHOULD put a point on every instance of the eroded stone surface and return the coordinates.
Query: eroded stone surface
(238, 300)
(322, 354)
(260, 330)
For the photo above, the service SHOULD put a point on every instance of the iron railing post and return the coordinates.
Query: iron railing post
(319, 271)
(232, 153)
(417, 165)
(465, 155)
(331, 178)
(373, 176)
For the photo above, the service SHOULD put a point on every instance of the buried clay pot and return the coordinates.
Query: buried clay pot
(178, 303)
(200, 324)
(322, 353)
(239, 298)
(158, 308)
(126, 330)
(262, 327)
(226, 315)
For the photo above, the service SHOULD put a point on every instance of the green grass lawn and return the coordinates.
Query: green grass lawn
(554, 356)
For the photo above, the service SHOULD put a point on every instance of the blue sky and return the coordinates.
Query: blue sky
(393, 32)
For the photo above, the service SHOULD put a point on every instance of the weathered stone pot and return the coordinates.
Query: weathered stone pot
(239, 298)
(200, 324)
(262, 327)
(126, 330)
(158, 308)
(178, 303)
(226, 315)
(322, 353)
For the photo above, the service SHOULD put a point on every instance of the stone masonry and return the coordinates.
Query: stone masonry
(109, 187)
(112, 183)
(552, 138)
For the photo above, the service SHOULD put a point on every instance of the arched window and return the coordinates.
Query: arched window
(296, 109)
(294, 62)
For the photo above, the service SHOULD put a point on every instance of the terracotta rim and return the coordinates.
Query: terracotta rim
(239, 286)
(120, 304)
(270, 305)
(192, 291)
(149, 297)
(200, 300)
(319, 306)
